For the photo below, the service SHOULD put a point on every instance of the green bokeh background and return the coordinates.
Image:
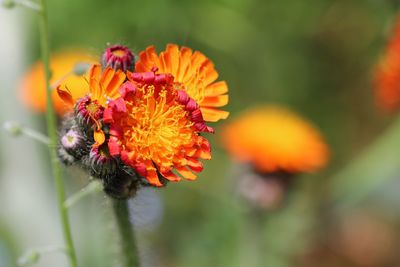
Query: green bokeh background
(315, 57)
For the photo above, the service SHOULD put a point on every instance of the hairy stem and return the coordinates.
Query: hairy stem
(126, 233)
(52, 133)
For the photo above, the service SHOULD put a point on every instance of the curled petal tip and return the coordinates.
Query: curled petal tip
(65, 95)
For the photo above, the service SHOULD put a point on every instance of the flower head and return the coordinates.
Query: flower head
(118, 57)
(32, 89)
(155, 128)
(387, 73)
(273, 139)
(142, 128)
(194, 73)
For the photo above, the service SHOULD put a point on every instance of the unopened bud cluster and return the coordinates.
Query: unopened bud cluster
(76, 148)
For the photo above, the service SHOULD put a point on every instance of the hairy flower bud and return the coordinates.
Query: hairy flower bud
(99, 163)
(118, 57)
(74, 143)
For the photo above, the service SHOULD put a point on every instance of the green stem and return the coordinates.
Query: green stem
(92, 187)
(52, 133)
(126, 232)
(35, 135)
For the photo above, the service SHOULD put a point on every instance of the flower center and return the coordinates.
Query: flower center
(119, 53)
(70, 139)
(92, 108)
(157, 128)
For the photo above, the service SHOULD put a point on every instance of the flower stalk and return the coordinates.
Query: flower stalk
(52, 133)
(128, 249)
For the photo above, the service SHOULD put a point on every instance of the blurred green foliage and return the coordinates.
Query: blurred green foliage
(313, 56)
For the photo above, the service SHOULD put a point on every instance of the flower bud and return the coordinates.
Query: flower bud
(118, 57)
(74, 143)
(100, 163)
(88, 112)
(81, 68)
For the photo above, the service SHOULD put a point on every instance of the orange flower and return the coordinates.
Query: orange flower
(273, 139)
(387, 74)
(194, 73)
(154, 128)
(32, 90)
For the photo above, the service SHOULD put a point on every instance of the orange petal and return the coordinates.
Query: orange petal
(152, 177)
(65, 95)
(106, 77)
(95, 72)
(196, 61)
(152, 56)
(203, 154)
(210, 73)
(215, 101)
(171, 176)
(99, 137)
(185, 54)
(215, 89)
(112, 88)
(94, 78)
(186, 173)
(212, 114)
(140, 67)
(194, 164)
(172, 59)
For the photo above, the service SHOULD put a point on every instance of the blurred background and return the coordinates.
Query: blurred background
(315, 57)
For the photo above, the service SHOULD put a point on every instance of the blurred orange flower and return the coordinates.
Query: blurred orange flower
(274, 139)
(32, 91)
(193, 72)
(387, 73)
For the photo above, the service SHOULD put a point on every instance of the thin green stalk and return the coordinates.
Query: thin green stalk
(128, 251)
(92, 187)
(52, 133)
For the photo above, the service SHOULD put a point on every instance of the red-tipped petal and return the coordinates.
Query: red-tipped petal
(186, 173)
(108, 115)
(138, 77)
(194, 164)
(196, 116)
(140, 168)
(171, 176)
(203, 154)
(127, 88)
(191, 105)
(65, 95)
(182, 97)
(115, 130)
(118, 105)
(113, 147)
(152, 177)
(148, 77)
